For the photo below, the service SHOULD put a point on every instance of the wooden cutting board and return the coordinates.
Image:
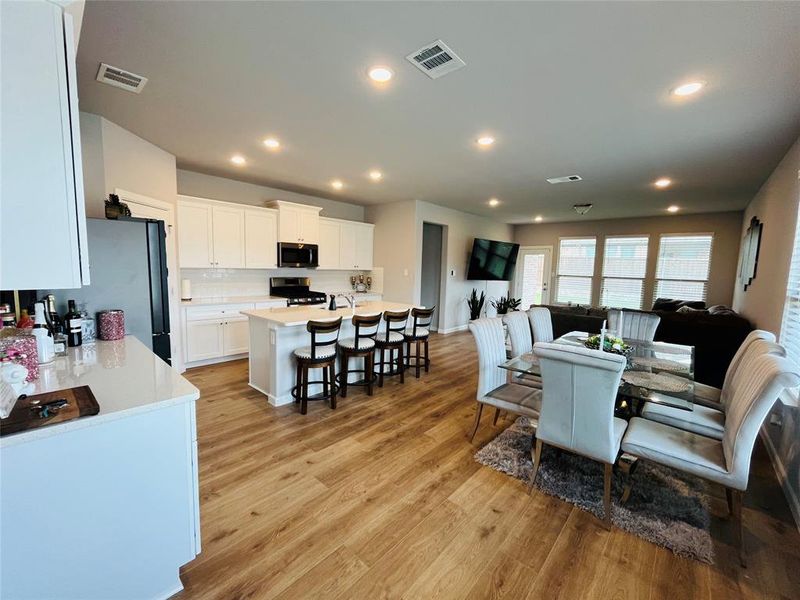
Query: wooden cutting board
(24, 416)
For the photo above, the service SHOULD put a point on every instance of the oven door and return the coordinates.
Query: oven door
(298, 255)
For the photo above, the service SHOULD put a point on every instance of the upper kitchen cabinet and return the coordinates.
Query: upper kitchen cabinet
(260, 238)
(210, 234)
(297, 223)
(356, 245)
(42, 216)
(329, 243)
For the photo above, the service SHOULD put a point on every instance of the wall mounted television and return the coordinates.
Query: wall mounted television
(492, 260)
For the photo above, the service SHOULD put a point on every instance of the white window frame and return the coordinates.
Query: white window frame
(558, 275)
(643, 278)
(705, 281)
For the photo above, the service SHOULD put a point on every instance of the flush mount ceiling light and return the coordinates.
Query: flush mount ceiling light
(272, 143)
(673, 208)
(375, 175)
(493, 201)
(238, 160)
(582, 209)
(663, 182)
(538, 219)
(337, 184)
(485, 141)
(380, 74)
(689, 88)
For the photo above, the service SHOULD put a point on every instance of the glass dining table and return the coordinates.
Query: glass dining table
(657, 372)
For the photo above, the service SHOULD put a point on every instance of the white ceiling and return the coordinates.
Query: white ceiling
(564, 87)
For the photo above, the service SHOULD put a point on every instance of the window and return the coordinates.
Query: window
(684, 261)
(575, 270)
(624, 266)
(790, 328)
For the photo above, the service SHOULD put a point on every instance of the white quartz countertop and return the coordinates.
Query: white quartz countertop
(231, 300)
(300, 315)
(125, 377)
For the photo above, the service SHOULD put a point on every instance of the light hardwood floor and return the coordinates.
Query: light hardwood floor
(381, 498)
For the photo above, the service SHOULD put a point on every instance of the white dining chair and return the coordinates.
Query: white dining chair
(579, 391)
(541, 324)
(726, 461)
(492, 386)
(519, 332)
(635, 325)
(704, 420)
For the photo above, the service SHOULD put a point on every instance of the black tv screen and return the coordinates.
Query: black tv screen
(492, 260)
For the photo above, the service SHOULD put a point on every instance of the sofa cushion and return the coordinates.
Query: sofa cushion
(670, 305)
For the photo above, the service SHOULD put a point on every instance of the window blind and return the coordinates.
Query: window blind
(790, 327)
(575, 270)
(682, 270)
(532, 279)
(624, 267)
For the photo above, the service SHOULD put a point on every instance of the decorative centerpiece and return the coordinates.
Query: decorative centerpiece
(610, 344)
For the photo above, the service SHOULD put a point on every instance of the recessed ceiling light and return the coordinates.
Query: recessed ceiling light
(493, 201)
(673, 208)
(538, 218)
(485, 141)
(687, 89)
(238, 159)
(375, 175)
(380, 74)
(337, 184)
(272, 143)
(663, 182)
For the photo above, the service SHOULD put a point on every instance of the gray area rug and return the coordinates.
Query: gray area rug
(666, 507)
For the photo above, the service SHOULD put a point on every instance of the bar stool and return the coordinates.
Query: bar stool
(392, 340)
(419, 334)
(321, 354)
(362, 345)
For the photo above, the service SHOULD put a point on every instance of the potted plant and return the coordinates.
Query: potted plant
(475, 304)
(506, 304)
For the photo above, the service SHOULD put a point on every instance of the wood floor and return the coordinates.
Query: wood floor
(381, 498)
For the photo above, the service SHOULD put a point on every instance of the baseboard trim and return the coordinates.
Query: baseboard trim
(780, 473)
(453, 329)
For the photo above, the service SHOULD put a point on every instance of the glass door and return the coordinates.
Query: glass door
(532, 277)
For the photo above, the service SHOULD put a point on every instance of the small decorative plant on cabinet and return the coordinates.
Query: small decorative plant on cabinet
(506, 304)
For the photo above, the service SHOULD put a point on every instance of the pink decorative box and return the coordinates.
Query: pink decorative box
(24, 346)
(111, 324)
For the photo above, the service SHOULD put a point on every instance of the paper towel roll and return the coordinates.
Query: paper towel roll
(186, 289)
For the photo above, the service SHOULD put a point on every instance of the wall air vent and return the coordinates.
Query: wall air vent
(435, 59)
(120, 78)
(566, 179)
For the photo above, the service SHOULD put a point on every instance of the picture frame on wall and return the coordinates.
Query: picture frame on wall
(748, 260)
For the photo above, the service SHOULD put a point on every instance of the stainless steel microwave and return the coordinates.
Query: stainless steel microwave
(298, 255)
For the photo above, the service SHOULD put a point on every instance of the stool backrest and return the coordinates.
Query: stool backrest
(323, 333)
(366, 327)
(422, 319)
(395, 322)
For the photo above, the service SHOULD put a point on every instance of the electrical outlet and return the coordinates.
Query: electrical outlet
(452, 272)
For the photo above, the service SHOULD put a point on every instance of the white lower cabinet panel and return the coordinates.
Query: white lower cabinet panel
(235, 337)
(204, 340)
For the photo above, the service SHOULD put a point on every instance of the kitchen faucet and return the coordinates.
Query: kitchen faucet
(351, 301)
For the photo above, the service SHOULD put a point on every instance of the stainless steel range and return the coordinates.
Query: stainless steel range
(295, 290)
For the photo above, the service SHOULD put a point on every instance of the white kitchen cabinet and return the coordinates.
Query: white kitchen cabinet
(235, 336)
(297, 223)
(329, 244)
(260, 239)
(228, 237)
(195, 235)
(42, 214)
(204, 339)
(355, 250)
(364, 240)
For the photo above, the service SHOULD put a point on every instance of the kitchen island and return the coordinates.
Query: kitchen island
(275, 334)
(103, 506)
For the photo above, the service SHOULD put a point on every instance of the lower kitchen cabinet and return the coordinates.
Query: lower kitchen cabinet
(235, 336)
(204, 340)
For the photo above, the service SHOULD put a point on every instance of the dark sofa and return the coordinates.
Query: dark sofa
(716, 337)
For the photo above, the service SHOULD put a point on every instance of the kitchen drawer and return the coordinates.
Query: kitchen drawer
(218, 311)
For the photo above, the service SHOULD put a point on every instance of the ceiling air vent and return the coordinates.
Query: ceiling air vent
(120, 78)
(435, 59)
(566, 179)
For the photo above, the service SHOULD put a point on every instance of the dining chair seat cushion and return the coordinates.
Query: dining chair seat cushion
(519, 399)
(672, 447)
(701, 420)
(421, 334)
(534, 381)
(395, 337)
(363, 344)
(322, 352)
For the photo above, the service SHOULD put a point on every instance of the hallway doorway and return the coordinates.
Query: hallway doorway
(431, 273)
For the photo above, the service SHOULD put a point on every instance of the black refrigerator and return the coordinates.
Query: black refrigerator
(128, 270)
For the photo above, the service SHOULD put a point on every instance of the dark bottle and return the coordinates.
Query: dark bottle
(51, 314)
(332, 305)
(74, 323)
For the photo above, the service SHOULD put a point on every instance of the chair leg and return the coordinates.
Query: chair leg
(496, 416)
(607, 493)
(537, 457)
(738, 531)
(369, 367)
(478, 412)
(401, 365)
(304, 390)
(427, 360)
(627, 464)
(325, 383)
(729, 498)
(332, 368)
(380, 376)
(417, 365)
(343, 374)
(299, 381)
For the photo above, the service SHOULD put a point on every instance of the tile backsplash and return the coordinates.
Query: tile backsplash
(216, 283)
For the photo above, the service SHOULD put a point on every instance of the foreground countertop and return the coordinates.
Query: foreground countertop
(300, 315)
(125, 377)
